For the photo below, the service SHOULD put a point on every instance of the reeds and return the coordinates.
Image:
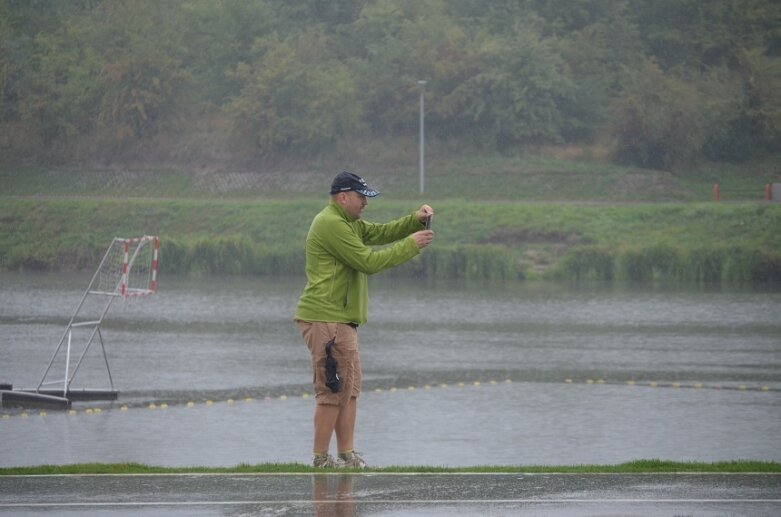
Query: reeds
(228, 256)
(660, 261)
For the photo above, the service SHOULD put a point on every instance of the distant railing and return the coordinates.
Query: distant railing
(746, 194)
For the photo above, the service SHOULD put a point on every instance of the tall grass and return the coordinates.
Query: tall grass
(228, 255)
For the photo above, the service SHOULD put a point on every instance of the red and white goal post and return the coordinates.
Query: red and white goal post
(145, 281)
(129, 268)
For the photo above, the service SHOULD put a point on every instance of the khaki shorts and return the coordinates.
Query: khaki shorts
(345, 351)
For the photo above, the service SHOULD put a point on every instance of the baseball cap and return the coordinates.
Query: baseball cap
(346, 181)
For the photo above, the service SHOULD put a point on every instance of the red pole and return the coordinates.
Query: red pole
(716, 193)
(768, 192)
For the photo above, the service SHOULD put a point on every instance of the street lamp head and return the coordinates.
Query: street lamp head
(422, 83)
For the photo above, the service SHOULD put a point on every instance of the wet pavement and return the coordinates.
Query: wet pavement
(393, 494)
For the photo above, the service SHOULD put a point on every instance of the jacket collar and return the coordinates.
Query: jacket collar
(339, 210)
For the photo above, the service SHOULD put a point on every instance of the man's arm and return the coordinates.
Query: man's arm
(341, 241)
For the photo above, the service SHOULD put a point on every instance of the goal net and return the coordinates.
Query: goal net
(129, 268)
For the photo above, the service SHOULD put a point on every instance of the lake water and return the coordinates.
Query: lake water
(212, 372)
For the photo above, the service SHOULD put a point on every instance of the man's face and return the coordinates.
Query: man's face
(353, 203)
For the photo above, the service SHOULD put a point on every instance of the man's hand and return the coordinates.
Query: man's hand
(423, 212)
(423, 238)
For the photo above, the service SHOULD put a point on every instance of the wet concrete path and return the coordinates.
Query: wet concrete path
(393, 494)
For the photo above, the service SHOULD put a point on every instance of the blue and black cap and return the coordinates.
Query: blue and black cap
(346, 181)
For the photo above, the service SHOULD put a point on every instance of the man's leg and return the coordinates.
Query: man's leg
(330, 418)
(326, 416)
(345, 426)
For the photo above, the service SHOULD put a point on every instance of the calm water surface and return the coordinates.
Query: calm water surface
(455, 374)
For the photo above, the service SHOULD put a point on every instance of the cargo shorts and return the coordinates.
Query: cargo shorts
(345, 350)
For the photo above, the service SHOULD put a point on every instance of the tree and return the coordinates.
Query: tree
(142, 79)
(518, 93)
(61, 92)
(294, 97)
(396, 44)
(752, 126)
(659, 121)
(599, 48)
(46, 75)
(695, 35)
(215, 36)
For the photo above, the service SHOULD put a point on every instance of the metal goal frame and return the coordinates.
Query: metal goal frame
(111, 280)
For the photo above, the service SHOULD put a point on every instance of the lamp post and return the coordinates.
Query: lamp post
(422, 136)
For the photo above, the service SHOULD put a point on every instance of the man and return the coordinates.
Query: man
(334, 303)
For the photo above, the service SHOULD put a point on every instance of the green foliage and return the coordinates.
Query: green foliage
(60, 98)
(186, 80)
(659, 121)
(519, 94)
(217, 35)
(295, 96)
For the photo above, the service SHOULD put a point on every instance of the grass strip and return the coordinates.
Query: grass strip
(638, 466)
(485, 241)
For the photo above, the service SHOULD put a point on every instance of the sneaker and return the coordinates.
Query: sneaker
(326, 462)
(352, 460)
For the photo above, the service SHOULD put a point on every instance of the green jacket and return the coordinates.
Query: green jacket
(339, 258)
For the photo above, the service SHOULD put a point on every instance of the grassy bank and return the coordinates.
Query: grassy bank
(497, 218)
(480, 240)
(640, 466)
(542, 177)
